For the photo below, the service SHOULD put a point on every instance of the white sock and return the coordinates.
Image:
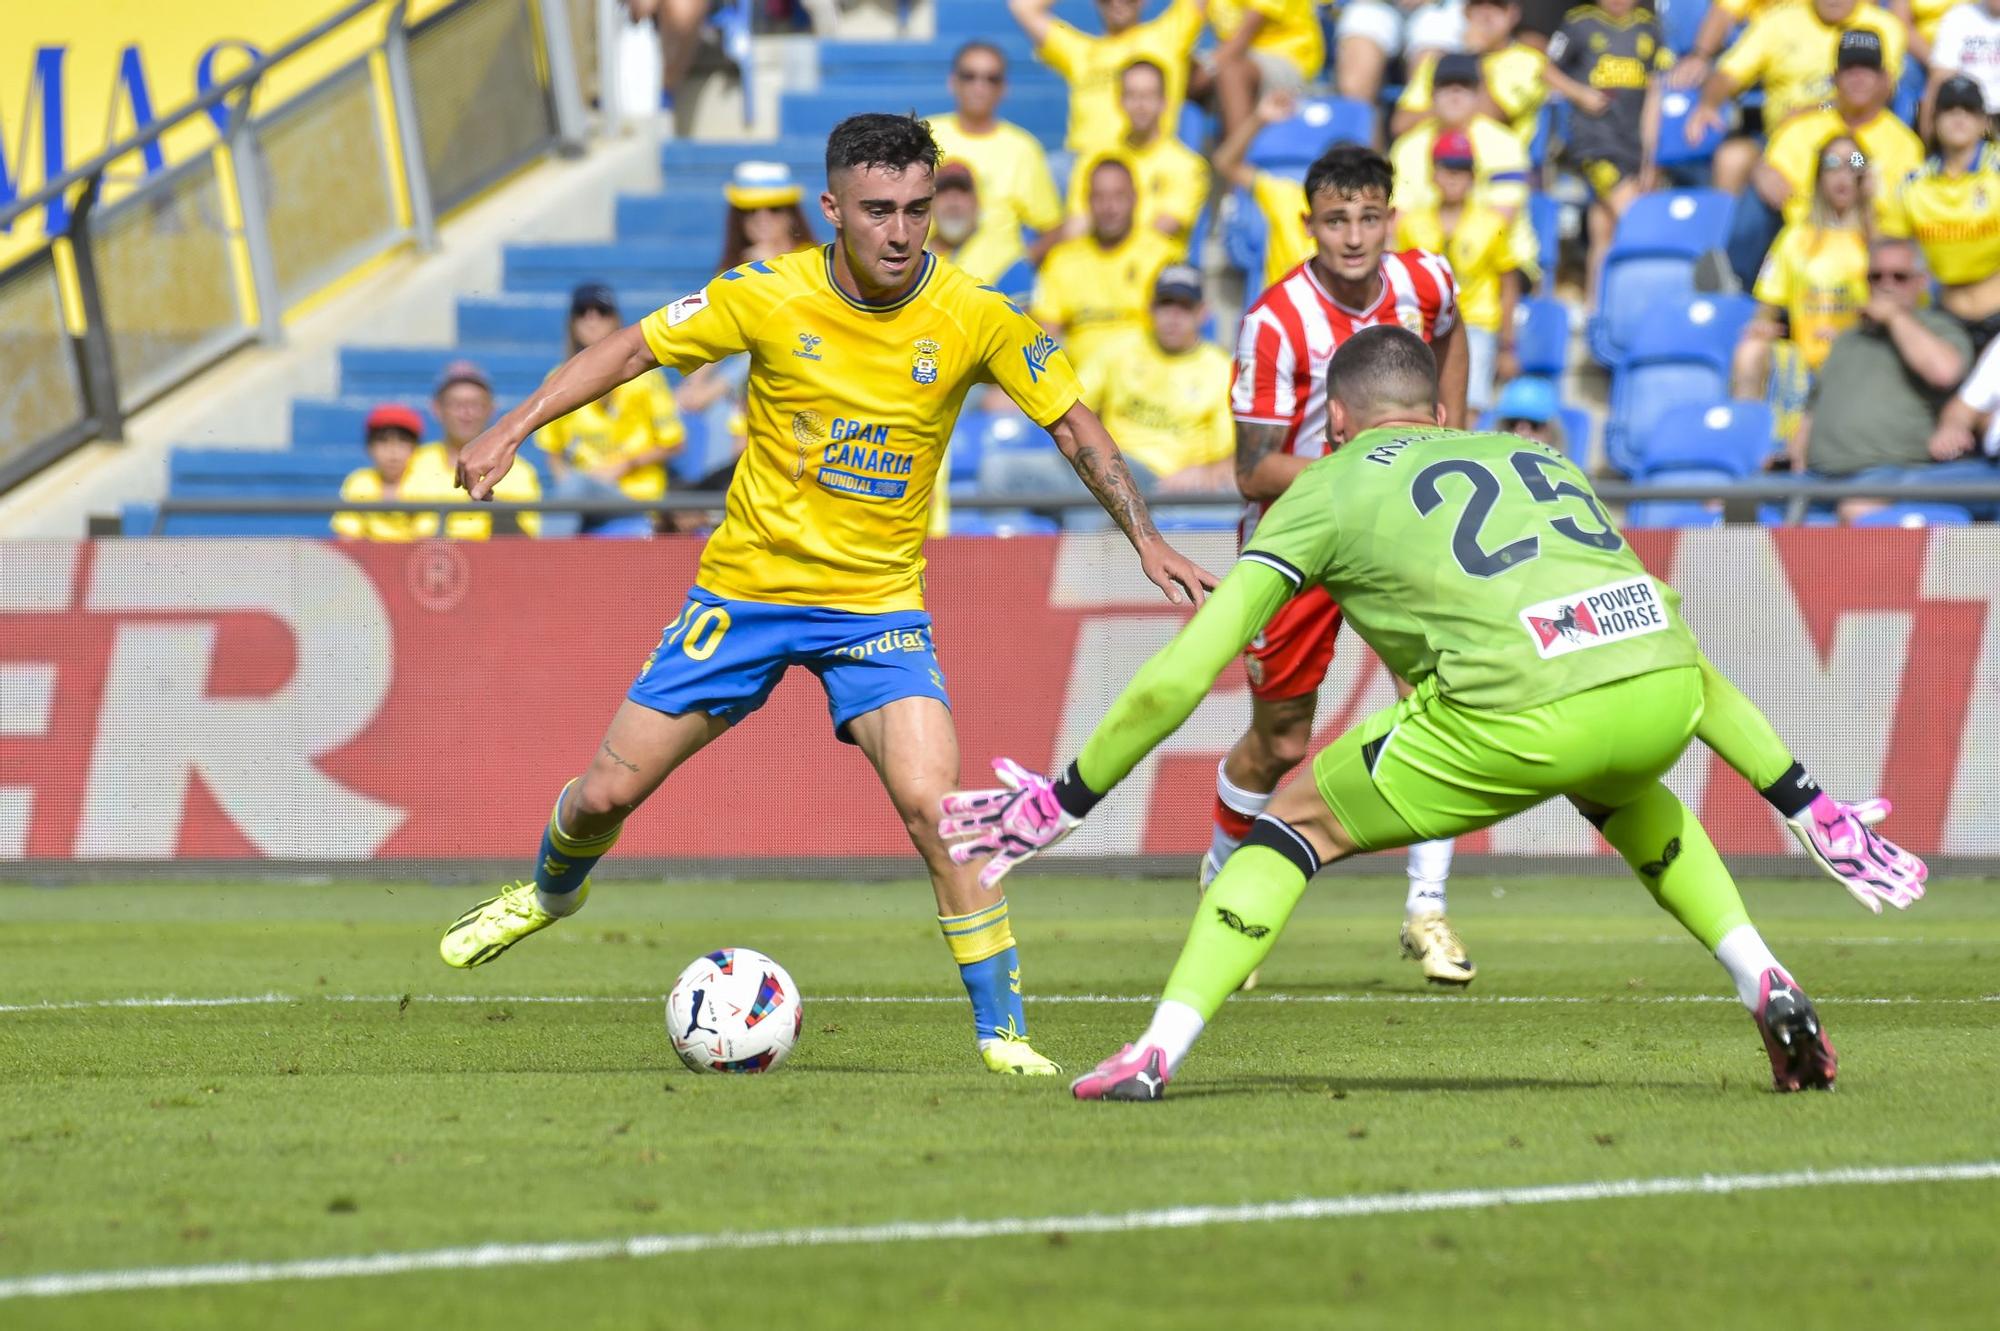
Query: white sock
(1175, 1028)
(1429, 867)
(1246, 802)
(559, 904)
(1743, 954)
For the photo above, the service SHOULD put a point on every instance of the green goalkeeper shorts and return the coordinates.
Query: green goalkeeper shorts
(1428, 768)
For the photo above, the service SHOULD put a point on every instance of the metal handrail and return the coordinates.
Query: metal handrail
(76, 175)
(1616, 492)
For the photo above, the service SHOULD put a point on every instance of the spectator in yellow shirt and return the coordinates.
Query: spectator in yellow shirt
(1010, 172)
(1790, 51)
(391, 434)
(1163, 393)
(1951, 208)
(1814, 282)
(1488, 252)
(1501, 182)
(463, 404)
(1098, 284)
(1091, 65)
(1280, 200)
(1512, 72)
(1860, 110)
(1172, 179)
(616, 447)
(1267, 46)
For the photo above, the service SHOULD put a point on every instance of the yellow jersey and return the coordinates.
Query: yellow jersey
(1092, 293)
(1791, 52)
(1955, 219)
(1499, 170)
(1171, 178)
(364, 486)
(850, 407)
(1291, 30)
(1483, 248)
(1287, 243)
(1091, 66)
(633, 418)
(1016, 190)
(1891, 147)
(1927, 14)
(1167, 412)
(433, 476)
(1819, 278)
(1513, 76)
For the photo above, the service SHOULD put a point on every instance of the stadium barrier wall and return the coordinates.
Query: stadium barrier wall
(258, 702)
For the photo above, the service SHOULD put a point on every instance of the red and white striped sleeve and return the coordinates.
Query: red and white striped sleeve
(1265, 390)
(1446, 317)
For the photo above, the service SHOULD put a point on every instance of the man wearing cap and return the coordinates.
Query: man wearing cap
(1528, 407)
(1790, 50)
(1164, 393)
(1967, 46)
(616, 447)
(1861, 93)
(1501, 173)
(1096, 286)
(391, 436)
(1010, 172)
(1171, 178)
(1488, 251)
(463, 405)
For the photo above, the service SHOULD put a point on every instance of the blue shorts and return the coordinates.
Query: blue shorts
(724, 657)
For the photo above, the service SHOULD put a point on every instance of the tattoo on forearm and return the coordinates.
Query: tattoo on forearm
(1111, 481)
(1254, 443)
(612, 754)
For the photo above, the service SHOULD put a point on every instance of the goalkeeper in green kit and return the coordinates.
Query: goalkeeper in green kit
(1546, 662)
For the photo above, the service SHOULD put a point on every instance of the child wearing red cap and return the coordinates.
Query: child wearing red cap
(391, 435)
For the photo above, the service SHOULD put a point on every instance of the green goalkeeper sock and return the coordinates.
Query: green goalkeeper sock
(1677, 862)
(1238, 921)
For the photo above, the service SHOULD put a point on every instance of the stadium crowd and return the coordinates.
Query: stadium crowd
(1851, 145)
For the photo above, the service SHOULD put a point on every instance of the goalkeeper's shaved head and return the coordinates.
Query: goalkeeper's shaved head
(1381, 376)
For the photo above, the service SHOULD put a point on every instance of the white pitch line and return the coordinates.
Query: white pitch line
(488, 1255)
(281, 1000)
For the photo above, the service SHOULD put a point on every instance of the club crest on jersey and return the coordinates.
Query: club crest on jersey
(1411, 318)
(924, 366)
(808, 347)
(1611, 613)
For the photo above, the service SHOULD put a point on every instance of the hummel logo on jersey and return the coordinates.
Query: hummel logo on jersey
(808, 347)
(1612, 613)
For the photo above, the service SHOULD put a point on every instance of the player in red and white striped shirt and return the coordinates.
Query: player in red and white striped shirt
(1279, 401)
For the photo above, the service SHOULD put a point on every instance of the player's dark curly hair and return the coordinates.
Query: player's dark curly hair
(874, 139)
(1383, 366)
(1349, 170)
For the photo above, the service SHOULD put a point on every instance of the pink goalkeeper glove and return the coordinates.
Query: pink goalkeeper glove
(1011, 824)
(1841, 840)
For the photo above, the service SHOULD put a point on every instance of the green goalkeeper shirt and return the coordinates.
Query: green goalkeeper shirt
(1483, 560)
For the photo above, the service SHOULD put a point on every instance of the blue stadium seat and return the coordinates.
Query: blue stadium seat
(1687, 222)
(1915, 515)
(1674, 149)
(1290, 146)
(1680, 355)
(1729, 438)
(1703, 328)
(1002, 522)
(1244, 235)
(1545, 216)
(650, 266)
(1576, 431)
(223, 472)
(410, 372)
(1541, 333)
(1680, 20)
(1656, 513)
(1018, 282)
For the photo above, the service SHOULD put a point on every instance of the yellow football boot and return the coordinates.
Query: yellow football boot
(497, 923)
(1012, 1055)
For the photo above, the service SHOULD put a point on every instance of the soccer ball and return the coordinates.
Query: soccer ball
(734, 1011)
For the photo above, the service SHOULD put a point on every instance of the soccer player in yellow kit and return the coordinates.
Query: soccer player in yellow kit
(861, 353)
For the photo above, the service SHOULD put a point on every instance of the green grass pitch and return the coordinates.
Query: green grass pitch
(338, 1120)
